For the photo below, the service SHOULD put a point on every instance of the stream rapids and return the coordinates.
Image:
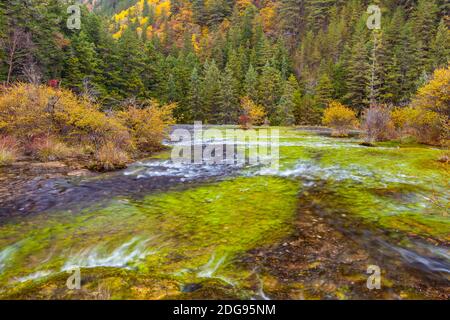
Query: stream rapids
(174, 223)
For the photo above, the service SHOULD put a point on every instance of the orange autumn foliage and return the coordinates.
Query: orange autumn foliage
(147, 124)
(340, 118)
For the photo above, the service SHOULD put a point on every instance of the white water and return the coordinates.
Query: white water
(122, 257)
(434, 264)
(311, 171)
(209, 270)
(4, 255)
(7, 253)
(186, 171)
(34, 276)
(211, 267)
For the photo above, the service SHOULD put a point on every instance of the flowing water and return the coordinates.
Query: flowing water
(161, 229)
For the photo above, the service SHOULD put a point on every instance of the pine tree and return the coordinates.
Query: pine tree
(198, 10)
(358, 70)
(324, 91)
(251, 83)
(281, 59)
(292, 16)
(3, 36)
(210, 90)
(376, 68)
(107, 76)
(235, 64)
(441, 46)
(444, 8)
(425, 22)
(409, 62)
(195, 98)
(386, 49)
(131, 64)
(154, 74)
(228, 102)
(46, 29)
(269, 89)
(306, 111)
(338, 78)
(173, 93)
(336, 34)
(262, 50)
(217, 10)
(319, 11)
(82, 63)
(392, 89)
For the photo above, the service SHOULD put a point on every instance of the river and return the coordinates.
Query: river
(306, 230)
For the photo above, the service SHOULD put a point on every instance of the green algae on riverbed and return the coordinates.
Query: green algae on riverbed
(399, 189)
(188, 234)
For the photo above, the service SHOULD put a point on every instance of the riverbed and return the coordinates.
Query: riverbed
(308, 229)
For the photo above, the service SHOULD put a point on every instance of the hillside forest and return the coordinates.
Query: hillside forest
(290, 57)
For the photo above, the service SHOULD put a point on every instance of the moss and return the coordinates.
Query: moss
(196, 235)
(188, 234)
(390, 209)
(97, 283)
(399, 189)
(164, 154)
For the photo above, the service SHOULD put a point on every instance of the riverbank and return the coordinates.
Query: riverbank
(23, 179)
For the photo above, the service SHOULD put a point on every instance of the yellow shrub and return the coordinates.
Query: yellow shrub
(435, 95)
(82, 120)
(8, 151)
(7, 157)
(400, 117)
(24, 110)
(48, 148)
(340, 118)
(52, 122)
(427, 117)
(147, 125)
(110, 157)
(425, 125)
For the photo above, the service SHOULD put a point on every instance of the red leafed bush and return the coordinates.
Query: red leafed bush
(244, 121)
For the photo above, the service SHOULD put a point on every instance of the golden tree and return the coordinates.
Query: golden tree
(340, 118)
(253, 114)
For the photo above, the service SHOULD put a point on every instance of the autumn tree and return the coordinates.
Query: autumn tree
(340, 118)
(284, 114)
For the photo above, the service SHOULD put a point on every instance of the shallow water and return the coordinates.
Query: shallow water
(184, 228)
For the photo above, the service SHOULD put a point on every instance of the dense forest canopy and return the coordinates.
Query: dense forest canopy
(289, 56)
(108, 7)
